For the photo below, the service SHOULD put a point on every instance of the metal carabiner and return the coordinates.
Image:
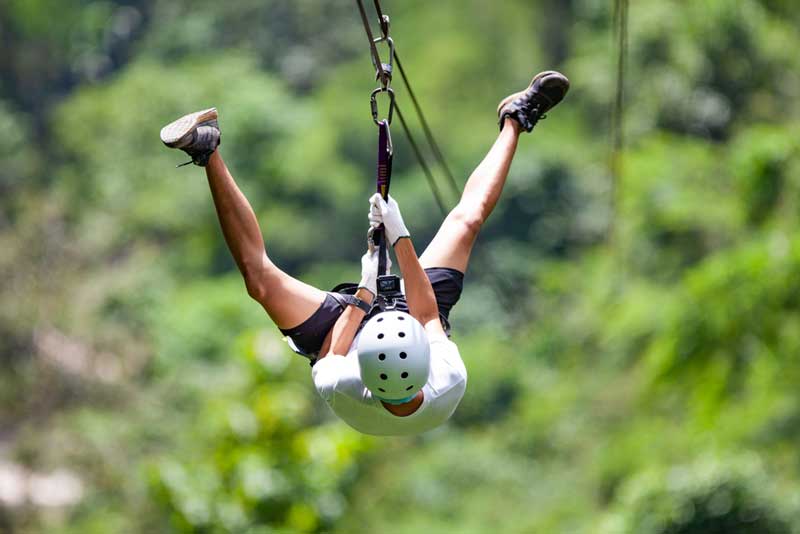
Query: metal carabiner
(384, 74)
(373, 103)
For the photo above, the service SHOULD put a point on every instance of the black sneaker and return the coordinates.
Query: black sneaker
(526, 107)
(197, 134)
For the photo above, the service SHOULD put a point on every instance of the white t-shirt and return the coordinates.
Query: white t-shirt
(338, 381)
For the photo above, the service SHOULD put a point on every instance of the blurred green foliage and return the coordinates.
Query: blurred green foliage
(712, 495)
(642, 376)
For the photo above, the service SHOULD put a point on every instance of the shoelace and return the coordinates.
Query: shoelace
(531, 106)
(530, 112)
(202, 135)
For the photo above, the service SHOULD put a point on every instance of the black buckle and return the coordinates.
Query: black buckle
(389, 286)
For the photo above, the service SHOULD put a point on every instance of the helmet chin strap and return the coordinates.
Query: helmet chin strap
(395, 401)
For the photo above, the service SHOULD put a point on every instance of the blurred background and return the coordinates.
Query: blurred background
(631, 325)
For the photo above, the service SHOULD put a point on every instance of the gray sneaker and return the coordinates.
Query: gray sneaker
(197, 134)
(526, 107)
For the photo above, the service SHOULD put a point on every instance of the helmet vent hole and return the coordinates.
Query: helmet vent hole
(381, 356)
(409, 387)
(403, 355)
(382, 390)
(380, 336)
(404, 375)
(401, 318)
(402, 334)
(379, 319)
(383, 376)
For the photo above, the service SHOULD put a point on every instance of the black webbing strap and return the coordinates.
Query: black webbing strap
(384, 177)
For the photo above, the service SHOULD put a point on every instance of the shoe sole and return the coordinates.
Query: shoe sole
(536, 78)
(173, 132)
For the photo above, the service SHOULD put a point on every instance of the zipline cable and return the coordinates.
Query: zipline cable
(376, 58)
(437, 153)
(434, 146)
(620, 24)
(422, 163)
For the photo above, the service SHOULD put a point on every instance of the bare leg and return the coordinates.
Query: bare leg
(288, 301)
(452, 244)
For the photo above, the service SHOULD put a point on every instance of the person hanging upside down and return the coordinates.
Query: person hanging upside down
(382, 372)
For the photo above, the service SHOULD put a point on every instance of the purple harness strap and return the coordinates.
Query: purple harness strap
(385, 154)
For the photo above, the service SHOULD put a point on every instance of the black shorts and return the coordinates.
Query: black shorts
(308, 337)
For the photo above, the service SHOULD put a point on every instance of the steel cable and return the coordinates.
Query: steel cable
(376, 58)
(422, 163)
(434, 146)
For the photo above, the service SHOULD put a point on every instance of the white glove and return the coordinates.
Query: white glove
(369, 269)
(388, 214)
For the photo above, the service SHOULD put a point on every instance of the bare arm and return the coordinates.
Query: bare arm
(419, 292)
(346, 326)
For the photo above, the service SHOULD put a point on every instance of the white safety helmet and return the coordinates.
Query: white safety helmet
(394, 356)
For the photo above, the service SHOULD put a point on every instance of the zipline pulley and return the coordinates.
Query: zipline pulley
(384, 21)
(384, 74)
